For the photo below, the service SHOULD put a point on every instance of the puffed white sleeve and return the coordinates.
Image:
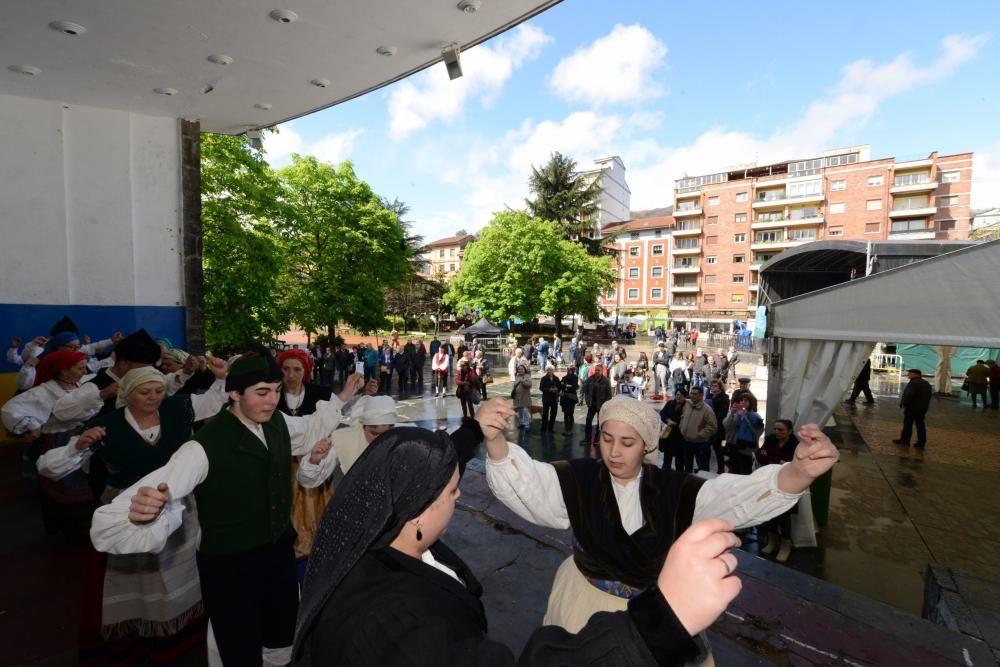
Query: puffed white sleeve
(744, 500)
(307, 431)
(61, 461)
(210, 403)
(25, 379)
(176, 380)
(90, 349)
(311, 475)
(528, 488)
(79, 405)
(13, 357)
(25, 412)
(112, 532)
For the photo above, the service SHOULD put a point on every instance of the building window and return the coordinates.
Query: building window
(657, 233)
(633, 293)
(709, 298)
(656, 272)
(837, 208)
(838, 185)
(945, 225)
(656, 293)
(736, 298)
(872, 227)
(910, 203)
(741, 197)
(875, 181)
(685, 244)
(713, 219)
(950, 176)
(441, 252)
(711, 240)
(915, 178)
(739, 238)
(634, 236)
(657, 249)
(633, 251)
(711, 259)
(611, 293)
(685, 263)
(804, 188)
(451, 267)
(837, 160)
(709, 278)
(873, 205)
(835, 231)
(947, 202)
(633, 272)
(685, 300)
(451, 252)
(739, 259)
(801, 234)
(904, 226)
(740, 217)
(768, 237)
(770, 216)
(738, 277)
(713, 201)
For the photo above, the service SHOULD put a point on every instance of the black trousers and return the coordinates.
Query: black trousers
(549, 410)
(913, 417)
(252, 599)
(862, 387)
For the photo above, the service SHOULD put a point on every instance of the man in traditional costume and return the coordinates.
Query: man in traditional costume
(237, 468)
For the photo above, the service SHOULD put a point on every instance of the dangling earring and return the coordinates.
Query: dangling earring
(420, 535)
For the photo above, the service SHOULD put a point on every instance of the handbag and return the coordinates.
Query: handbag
(474, 396)
(487, 379)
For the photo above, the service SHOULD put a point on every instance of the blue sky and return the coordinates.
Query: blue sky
(672, 87)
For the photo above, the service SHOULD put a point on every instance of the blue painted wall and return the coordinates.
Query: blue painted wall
(29, 320)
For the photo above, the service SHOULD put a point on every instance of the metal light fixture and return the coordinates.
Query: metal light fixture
(452, 56)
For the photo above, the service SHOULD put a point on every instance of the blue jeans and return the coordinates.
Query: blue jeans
(542, 359)
(524, 417)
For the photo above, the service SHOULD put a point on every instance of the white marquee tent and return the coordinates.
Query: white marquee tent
(820, 340)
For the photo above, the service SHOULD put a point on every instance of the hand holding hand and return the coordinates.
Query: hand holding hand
(218, 367)
(109, 391)
(319, 451)
(696, 576)
(90, 437)
(351, 386)
(492, 416)
(147, 503)
(371, 387)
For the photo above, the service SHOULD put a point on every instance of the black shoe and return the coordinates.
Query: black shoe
(901, 442)
(920, 445)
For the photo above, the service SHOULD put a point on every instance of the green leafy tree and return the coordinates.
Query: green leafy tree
(241, 253)
(562, 195)
(344, 247)
(416, 297)
(524, 267)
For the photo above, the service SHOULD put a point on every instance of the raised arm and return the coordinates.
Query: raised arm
(61, 461)
(142, 517)
(208, 404)
(307, 431)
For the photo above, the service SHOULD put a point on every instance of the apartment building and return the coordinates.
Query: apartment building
(731, 222)
(613, 205)
(443, 259)
(642, 251)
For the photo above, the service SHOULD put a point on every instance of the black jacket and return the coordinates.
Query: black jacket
(393, 609)
(917, 395)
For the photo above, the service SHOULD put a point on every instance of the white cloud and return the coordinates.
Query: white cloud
(279, 146)
(863, 86)
(616, 68)
(986, 177)
(431, 95)
(332, 148)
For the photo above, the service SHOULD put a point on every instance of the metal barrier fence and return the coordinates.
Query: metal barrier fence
(887, 363)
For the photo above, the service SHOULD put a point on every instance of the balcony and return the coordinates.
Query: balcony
(912, 212)
(683, 308)
(913, 164)
(755, 266)
(688, 193)
(914, 235)
(684, 289)
(693, 230)
(920, 186)
(777, 202)
(687, 212)
(685, 269)
(687, 251)
(753, 287)
(777, 245)
(788, 222)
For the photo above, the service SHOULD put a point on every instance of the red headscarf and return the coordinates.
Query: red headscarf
(54, 363)
(300, 356)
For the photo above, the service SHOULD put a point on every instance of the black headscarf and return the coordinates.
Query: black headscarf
(396, 478)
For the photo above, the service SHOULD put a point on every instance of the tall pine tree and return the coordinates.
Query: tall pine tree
(563, 195)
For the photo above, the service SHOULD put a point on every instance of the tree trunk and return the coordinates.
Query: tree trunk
(558, 318)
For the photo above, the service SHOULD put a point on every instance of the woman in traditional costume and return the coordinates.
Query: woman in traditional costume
(626, 514)
(382, 589)
(299, 398)
(151, 602)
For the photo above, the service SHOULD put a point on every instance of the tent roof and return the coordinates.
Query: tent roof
(117, 53)
(940, 301)
(483, 326)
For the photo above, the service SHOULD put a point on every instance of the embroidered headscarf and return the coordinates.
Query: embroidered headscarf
(133, 379)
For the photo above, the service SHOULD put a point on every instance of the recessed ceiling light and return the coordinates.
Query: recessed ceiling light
(220, 59)
(470, 6)
(284, 16)
(387, 50)
(320, 83)
(263, 106)
(27, 70)
(67, 28)
(165, 91)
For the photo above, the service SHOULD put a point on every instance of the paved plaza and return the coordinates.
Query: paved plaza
(893, 511)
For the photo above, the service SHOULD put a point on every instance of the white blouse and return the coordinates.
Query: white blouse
(33, 409)
(531, 490)
(111, 530)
